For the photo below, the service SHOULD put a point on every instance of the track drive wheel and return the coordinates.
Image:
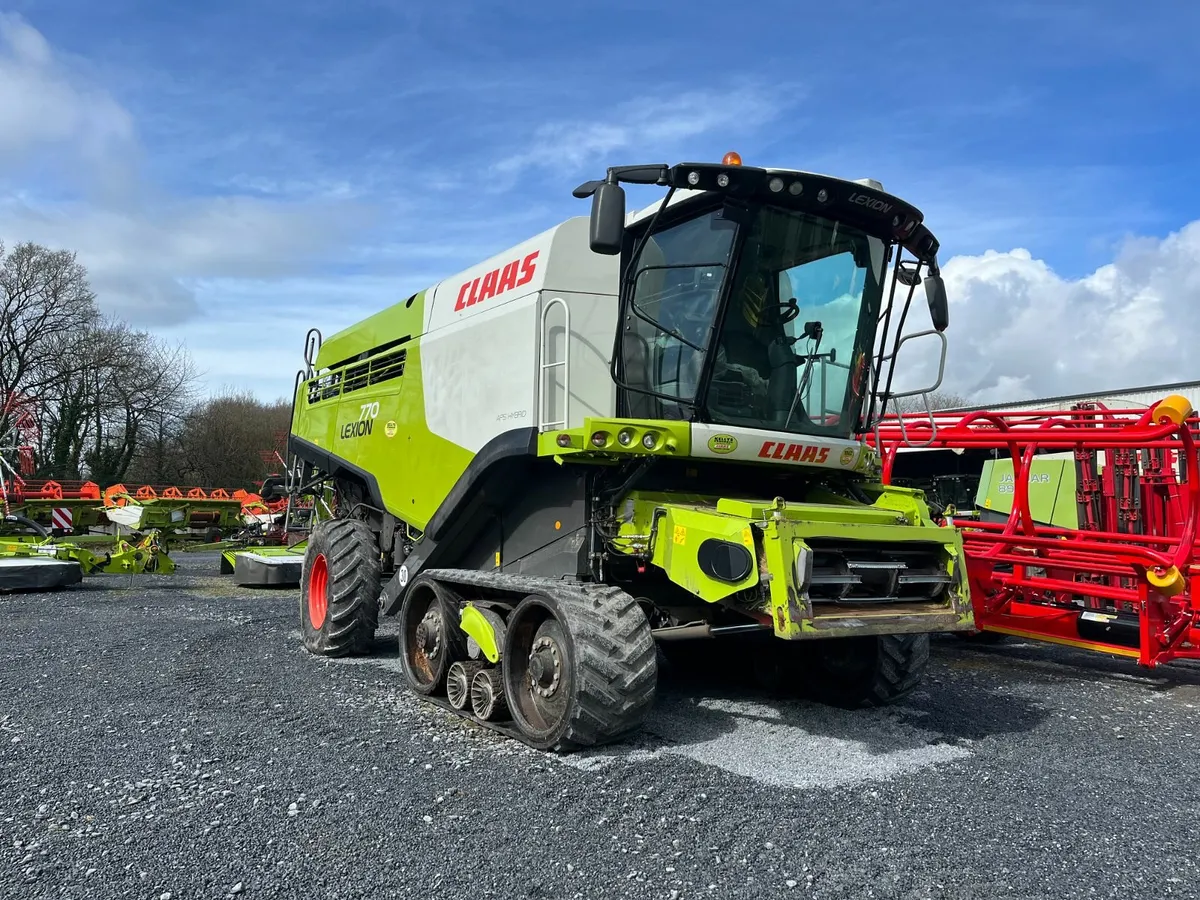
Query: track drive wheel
(579, 668)
(340, 585)
(865, 671)
(431, 640)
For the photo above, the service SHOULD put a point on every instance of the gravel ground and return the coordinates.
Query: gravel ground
(169, 738)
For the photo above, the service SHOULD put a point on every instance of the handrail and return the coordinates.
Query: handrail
(546, 366)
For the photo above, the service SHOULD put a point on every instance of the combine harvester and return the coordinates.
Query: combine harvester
(1096, 550)
(630, 429)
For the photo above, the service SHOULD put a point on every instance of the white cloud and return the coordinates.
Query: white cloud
(44, 108)
(657, 125)
(70, 152)
(1019, 331)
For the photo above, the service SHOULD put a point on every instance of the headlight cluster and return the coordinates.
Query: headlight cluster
(620, 437)
(627, 438)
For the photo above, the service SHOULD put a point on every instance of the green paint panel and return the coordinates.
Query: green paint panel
(669, 529)
(371, 414)
(1051, 489)
(682, 530)
(670, 439)
(812, 512)
(406, 318)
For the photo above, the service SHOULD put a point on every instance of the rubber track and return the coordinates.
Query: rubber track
(617, 673)
(901, 665)
(354, 576)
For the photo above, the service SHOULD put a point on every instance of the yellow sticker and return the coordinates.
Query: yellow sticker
(390, 429)
(680, 534)
(722, 443)
(847, 456)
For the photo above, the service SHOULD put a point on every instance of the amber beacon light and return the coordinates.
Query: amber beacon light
(732, 158)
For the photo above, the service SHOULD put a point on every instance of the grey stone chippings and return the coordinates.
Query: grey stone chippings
(172, 739)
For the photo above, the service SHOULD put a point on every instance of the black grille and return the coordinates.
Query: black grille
(871, 573)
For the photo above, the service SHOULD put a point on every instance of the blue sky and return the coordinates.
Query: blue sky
(234, 173)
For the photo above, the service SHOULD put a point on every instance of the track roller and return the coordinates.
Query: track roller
(577, 664)
(487, 695)
(458, 682)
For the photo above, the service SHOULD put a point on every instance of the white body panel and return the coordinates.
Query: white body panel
(721, 442)
(558, 259)
(481, 380)
(482, 349)
(591, 321)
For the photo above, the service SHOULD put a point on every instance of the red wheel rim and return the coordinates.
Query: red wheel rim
(318, 586)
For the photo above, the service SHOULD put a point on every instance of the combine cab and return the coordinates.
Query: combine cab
(630, 429)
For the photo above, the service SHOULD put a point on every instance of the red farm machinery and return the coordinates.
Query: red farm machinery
(1124, 579)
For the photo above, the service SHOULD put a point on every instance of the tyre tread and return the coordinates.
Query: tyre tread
(354, 585)
(617, 665)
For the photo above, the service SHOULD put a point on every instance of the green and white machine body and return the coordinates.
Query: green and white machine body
(679, 411)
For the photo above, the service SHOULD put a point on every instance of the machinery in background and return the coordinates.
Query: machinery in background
(1084, 532)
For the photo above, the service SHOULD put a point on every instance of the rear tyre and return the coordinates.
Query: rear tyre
(340, 586)
(580, 668)
(866, 671)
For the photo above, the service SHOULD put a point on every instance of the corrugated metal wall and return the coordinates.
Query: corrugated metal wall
(1139, 397)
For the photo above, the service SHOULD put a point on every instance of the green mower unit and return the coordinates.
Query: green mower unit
(634, 428)
(31, 559)
(264, 566)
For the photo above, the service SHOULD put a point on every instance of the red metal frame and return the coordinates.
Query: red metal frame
(1125, 582)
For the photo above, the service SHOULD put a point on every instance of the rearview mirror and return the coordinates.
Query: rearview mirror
(608, 219)
(939, 309)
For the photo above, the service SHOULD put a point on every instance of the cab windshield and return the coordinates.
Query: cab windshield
(790, 351)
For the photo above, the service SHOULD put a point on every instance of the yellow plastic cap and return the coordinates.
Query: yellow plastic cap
(1168, 582)
(1174, 409)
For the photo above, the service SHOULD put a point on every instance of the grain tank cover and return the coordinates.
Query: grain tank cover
(557, 260)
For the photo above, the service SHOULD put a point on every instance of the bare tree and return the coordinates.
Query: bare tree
(113, 402)
(143, 382)
(937, 400)
(224, 439)
(94, 384)
(44, 296)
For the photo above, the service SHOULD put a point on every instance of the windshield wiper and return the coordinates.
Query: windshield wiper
(815, 331)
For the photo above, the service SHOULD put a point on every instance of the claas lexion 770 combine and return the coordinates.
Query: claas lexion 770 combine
(630, 429)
